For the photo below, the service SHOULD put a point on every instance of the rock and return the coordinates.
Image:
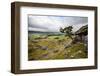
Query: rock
(71, 56)
(82, 31)
(79, 51)
(66, 46)
(45, 55)
(44, 47)
(81, 34)
(76, 39)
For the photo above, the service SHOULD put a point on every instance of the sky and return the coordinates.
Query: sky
(54, 23)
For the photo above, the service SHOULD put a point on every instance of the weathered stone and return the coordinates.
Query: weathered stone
(44, 47)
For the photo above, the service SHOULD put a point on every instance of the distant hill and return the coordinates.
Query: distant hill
(39, 32)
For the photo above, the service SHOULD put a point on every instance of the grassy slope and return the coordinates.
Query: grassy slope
(54, 47)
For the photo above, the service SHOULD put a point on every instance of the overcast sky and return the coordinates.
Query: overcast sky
(53, 23)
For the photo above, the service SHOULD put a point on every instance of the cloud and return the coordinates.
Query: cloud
(53, 23)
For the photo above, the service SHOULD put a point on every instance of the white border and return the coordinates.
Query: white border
(25, 64)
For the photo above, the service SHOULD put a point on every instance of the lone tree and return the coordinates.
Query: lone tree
(67, 31)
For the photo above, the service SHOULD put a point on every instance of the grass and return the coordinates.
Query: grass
(44, 47)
